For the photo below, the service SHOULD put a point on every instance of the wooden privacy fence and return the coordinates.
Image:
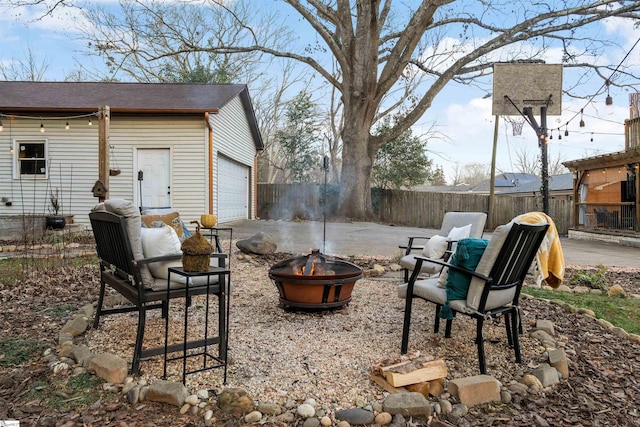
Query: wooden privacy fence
(408, 208)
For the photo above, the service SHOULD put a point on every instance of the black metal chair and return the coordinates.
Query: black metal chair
(494, 289)
(121, 271)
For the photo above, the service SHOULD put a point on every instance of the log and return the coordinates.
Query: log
(429, 371)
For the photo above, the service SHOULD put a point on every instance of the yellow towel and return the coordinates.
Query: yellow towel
(549, 257)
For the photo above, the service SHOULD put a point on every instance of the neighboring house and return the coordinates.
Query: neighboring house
(606, 186)
(504, 181)
(560, 187)
(193, 145)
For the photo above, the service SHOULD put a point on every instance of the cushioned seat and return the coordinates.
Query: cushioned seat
(493, 289)
(455, 226)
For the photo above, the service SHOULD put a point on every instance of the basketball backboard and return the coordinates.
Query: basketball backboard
(527, 85)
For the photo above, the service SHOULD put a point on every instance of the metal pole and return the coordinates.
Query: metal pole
(542, 141)
(325, 166)
(493, 171)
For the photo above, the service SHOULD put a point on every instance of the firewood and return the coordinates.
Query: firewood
(428, 372)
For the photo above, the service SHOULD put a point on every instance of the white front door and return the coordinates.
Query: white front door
(155, 187)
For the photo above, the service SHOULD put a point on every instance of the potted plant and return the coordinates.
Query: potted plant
(54, 220)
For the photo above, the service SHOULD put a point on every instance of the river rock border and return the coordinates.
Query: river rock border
(451, 405)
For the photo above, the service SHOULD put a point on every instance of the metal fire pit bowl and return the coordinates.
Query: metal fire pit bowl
(315, 281)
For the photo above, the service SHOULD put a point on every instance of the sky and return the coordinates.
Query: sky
(462, 114)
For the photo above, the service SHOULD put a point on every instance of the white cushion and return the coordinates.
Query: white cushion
(163, 241)
(160, 241)
(459, 233)
(409, 262)
(442, 279)
(133, 223)
(435, 247)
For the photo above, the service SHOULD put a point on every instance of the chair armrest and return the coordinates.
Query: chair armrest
(144, 261)
(420, 260)
(409, 247)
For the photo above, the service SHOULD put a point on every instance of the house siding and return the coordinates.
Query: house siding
(230, 133)
(185, 137)
(72, 163)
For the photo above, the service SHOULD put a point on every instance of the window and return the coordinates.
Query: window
(31, 158)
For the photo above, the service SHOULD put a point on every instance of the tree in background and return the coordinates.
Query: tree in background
(471, 174)
(27, 69)
(298, 138)
(402, 162)
(438, 177)
(392, 58)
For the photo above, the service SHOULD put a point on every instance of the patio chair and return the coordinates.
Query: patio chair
(492, 291)
(453, 228)
(143, 281)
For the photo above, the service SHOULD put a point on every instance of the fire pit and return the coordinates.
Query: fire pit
(315, 281)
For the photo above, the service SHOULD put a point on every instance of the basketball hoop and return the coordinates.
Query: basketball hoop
(516, 123)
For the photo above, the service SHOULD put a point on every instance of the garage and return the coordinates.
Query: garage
(233, 190)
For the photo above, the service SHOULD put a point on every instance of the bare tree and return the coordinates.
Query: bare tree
(395, 57)
(529, 162)
(27, 69)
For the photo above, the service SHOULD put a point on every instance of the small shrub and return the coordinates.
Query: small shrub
(593, 280)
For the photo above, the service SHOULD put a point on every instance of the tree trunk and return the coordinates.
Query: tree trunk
(357, 163)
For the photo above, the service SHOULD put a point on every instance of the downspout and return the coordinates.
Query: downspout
(210, 156)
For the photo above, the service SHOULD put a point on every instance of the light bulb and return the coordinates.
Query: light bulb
(66, 125)
(609, 100)
(90, 122)
(1, 127)
(41, 127)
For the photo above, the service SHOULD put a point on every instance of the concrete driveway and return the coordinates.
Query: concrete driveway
(368, 238)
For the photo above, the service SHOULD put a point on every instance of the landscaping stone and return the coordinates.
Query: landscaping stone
(547, 375)
(235, 401)
(545, 325)
(167, 392)
(558, 359)
(355, 416)
(306, 411)
(260, 244)
(475, 390)
(111, 368)
(408, 404)
(75, 326)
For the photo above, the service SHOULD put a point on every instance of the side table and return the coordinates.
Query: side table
(221, 290)
(213, 233)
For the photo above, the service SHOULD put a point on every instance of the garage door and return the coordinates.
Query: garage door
(233, 190)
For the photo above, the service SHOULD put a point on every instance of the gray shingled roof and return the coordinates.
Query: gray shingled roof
(556, 183)
(152, 98)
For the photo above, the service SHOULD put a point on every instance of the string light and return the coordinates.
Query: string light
(591, 136)
(90, 122)
(66, 125)
(581, 117)
(559, 134)
(41, 126)
(609, 100)
(1, 127)
(566, 129)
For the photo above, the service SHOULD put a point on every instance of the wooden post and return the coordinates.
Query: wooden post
(492, 177)
(103, 149)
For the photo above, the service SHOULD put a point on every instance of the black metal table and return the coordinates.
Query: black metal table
(222, 290)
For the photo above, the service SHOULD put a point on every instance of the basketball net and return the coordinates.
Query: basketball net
(516, 123)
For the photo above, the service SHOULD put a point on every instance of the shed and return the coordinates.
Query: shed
(189, 146)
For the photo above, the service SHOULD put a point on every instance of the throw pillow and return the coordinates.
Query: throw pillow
(171, 219)
(435, 247)
(160, 241)
(467, 255)
(459, 233)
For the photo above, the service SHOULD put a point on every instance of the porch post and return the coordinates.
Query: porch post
(103, 150)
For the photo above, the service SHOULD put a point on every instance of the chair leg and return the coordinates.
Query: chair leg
(165, 310)
(510, 331)
(436, 322)
(137, 351)
(515, 319)
(405, 326)
(480, 344)
(406, 275)
(96, 319)
(447, 328)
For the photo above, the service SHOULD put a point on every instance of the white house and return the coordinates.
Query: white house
(193, 145)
